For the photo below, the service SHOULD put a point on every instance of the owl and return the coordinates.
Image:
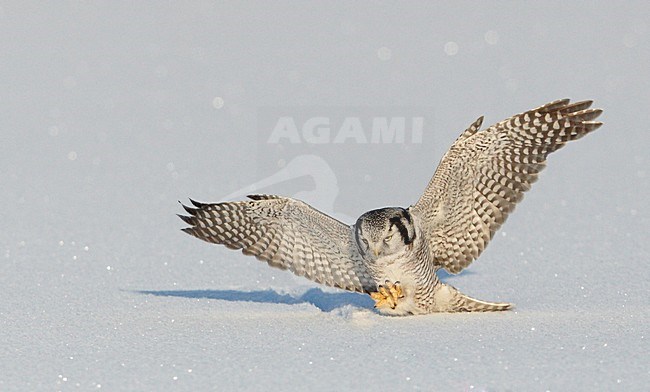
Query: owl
(393, 254)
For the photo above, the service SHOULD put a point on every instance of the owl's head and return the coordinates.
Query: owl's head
(384, 231)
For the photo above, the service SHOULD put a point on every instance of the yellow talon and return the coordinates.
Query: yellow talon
(380, 297)
(387, 295)
(396, 291)
(377, 297)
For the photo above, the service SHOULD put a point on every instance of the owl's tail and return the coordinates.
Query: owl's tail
(469, 304)
(460, 302)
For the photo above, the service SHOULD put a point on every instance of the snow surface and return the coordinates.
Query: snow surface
(112, 113)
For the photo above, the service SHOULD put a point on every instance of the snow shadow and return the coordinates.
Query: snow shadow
(315, 296)
(444, 275)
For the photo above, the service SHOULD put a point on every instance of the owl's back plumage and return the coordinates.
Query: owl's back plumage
(475, 187)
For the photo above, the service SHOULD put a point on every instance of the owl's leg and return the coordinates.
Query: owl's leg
(388, 294)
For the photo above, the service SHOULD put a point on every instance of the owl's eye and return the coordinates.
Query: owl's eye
(365, 242)
(387, 239)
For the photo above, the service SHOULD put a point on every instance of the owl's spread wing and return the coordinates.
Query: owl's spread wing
(287, 234)
(485, 173)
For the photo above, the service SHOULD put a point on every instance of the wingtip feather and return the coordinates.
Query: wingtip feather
(189, 230)
(198, 203)
(187, 219)
(190, 210)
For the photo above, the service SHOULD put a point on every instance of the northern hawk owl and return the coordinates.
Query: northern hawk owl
(393, 253)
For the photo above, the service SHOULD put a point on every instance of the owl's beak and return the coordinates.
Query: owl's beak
(376, 251)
